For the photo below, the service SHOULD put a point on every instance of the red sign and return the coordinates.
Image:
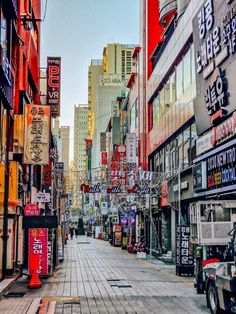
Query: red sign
(38, 245)
(54, 85)
(224, 131)
(104, 158)
(32, 210)
(47, 175)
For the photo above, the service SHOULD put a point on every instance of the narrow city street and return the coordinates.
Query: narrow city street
(107, 280)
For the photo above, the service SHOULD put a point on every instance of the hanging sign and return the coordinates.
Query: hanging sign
(32, 210)
(131, 148)
(36, 135)
(38, 245)
(54, 85)
(42, 197)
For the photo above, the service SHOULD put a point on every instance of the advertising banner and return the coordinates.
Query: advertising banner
(38, 245)
(54, 85)
(36, 134)
(131, 148)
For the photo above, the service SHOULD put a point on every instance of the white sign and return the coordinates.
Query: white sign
(131, 148)
(204, 143)
(184, 186)
(43, 197)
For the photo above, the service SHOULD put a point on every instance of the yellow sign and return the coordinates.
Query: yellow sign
(13, 183)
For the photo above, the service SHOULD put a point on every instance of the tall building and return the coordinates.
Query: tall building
(65, 142)
(95, 70)
(80, 166)
(80, 134)
(117, 66)
(117, 61)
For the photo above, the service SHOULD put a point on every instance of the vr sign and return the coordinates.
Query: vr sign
(54, 85)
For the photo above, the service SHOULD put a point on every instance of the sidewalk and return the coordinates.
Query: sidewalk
(109, 280)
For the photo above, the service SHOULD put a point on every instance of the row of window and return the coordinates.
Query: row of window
(178, 153)
(177, 85)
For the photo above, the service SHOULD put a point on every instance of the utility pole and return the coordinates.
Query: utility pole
(5, 205)
(151, 220)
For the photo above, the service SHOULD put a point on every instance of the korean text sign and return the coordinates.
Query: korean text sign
(36, 135)
(38, 245)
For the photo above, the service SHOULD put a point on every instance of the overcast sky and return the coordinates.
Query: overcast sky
(77, 31)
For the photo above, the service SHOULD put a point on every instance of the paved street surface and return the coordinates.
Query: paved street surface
(108, 280)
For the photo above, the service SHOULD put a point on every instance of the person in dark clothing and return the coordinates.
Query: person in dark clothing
(76, 231)
(71, 232)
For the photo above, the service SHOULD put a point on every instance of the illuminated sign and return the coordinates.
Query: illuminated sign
(54, 85)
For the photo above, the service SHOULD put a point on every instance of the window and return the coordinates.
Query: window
(173, 88)
(167, 95)
(179, 80)
(180, 151)
(186, 138)
(193, 141)
(156, 110)
(167, 159)
(187, 70)
(162, 102)
(193, 69)
(150, 117)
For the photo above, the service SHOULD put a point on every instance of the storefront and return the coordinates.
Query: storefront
(213, 213)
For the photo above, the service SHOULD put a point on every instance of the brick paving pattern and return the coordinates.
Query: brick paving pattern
(109, 280)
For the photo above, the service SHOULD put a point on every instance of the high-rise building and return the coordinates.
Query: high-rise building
(117, 61)
(117, 66)
(95, 70)
(80, 134)
(64, 134)
(80, 166)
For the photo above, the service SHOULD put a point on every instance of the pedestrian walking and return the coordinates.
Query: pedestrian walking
(76, 231)
(71, 232)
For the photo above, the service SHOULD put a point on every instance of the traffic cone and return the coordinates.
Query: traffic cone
(34, 281)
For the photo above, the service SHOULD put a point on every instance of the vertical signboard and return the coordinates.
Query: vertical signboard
(104, 158)
(102, 141)
(38, 245)
(184, 253)
(214, 43)
(36, 134)
(131, 148)
(54, 85)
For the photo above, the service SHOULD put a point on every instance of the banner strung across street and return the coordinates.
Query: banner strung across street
(54, 85)
(36, 135)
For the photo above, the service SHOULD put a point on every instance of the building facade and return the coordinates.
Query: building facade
(94, 72)
(80, 159)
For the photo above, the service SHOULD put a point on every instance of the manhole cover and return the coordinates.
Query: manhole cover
(61, 299)
(14, 294)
